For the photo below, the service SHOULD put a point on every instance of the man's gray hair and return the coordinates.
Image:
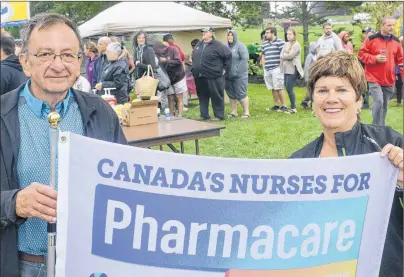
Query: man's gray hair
(105, 40)
(45, 20)
(387, 18)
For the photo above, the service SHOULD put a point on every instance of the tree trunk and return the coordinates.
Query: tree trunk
(265, 12)
(305, 22)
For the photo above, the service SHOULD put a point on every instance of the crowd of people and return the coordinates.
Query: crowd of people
(51, 56)
(223, 68)
(381, 56)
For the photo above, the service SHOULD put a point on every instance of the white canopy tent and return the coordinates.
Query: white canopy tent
(128, 17)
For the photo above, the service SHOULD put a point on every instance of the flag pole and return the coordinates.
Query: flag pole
(53, 119)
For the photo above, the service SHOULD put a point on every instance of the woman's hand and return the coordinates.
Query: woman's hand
(98, 86)
(396, 157)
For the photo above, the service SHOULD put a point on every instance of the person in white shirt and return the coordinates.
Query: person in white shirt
(82, 84)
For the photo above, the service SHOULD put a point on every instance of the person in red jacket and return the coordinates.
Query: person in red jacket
(170, 40)
(381, 53)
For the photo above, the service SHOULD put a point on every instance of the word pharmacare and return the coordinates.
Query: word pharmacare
(261, 243)
(206, 232)
(235, 183)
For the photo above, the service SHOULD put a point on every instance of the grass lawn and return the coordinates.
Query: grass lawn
(269, 134)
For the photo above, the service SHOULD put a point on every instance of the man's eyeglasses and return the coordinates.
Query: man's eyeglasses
(49, 56)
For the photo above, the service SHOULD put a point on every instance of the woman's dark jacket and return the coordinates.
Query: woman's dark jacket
(116, 75)
(365, 139)
(146, 56)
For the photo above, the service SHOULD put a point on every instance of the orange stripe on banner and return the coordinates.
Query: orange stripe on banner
(344, 269)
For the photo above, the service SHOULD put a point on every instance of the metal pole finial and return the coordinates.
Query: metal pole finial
(54, 119)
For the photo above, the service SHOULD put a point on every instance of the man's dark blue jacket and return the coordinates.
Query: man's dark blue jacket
(100, 122)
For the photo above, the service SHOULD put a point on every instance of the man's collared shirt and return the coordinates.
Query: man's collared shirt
(33, 163)
(41, 108)
(272, 53)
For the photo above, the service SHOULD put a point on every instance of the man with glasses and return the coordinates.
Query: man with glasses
(51, 59)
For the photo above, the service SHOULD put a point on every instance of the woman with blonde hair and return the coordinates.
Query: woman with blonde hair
(91, 52)
(291, 66)
(336, 84)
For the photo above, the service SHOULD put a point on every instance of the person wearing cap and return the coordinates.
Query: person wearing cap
(367, 31)
(329, 41)
(211, 59)
(170, 40)
(188, 60)
(381, 52)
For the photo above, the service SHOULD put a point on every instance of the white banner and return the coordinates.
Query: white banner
(126, 212)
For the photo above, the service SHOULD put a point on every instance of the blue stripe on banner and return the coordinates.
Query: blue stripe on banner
(13, 23)
(216, 235)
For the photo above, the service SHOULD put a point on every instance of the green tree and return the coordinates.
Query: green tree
(244, 14)
(13, 31)
(217, 8)
(377, 10)
(302, 11)
(78, 12)
(248, 13)
(346, 5)
(40, 7)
